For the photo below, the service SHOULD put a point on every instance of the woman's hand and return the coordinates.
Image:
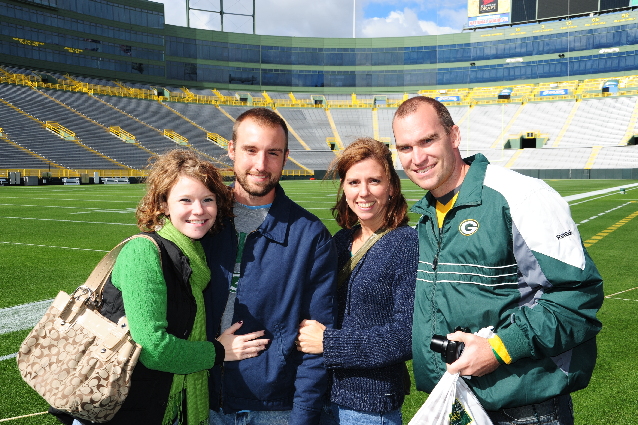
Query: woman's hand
(310, 337)
(240, 347)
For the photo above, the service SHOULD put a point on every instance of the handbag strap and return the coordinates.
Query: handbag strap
(352, 262)
(97, 279)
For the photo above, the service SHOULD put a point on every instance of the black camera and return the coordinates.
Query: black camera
(450, 350)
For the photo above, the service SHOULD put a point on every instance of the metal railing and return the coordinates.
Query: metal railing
(60, 130)
(122, 134)
(177, 138)
(64, 172)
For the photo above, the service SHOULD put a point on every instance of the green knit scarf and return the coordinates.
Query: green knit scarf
(194, 384)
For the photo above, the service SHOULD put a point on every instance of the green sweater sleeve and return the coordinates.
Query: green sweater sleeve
(138, 274)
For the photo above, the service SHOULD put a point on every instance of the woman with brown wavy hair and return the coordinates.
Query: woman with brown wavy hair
(377, 254)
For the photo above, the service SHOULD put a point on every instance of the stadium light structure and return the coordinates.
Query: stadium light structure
(354, 15)
(220, 12)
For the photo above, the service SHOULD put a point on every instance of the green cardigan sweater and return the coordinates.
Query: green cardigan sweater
(138, 274)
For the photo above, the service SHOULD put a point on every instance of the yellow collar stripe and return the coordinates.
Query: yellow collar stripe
(442, 210)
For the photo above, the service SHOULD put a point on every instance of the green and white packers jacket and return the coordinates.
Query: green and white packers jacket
(509, 255)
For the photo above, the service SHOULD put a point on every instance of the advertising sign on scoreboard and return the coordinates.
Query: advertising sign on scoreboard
(488, 12)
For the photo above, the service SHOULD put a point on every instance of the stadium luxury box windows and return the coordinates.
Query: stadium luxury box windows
(130, 37)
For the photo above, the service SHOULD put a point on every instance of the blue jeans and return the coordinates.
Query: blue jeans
(555, 411)
(247, 417)
(334, 414)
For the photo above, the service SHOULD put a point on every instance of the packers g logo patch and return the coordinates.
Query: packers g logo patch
(468, 227)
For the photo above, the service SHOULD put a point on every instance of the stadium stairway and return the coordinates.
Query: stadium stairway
(335, 131)
(566, 125)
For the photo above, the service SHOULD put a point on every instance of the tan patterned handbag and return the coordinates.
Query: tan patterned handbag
(79, 361)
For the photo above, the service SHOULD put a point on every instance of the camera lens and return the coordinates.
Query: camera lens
(450, 350)
(439, 343)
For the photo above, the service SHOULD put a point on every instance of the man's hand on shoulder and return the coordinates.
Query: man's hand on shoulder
(477, 359)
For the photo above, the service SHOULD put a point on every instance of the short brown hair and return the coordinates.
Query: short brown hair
(165, 170)
(411, 105)
(264, 117)
(396, 212)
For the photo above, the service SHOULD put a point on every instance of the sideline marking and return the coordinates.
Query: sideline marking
(589, 242)
(10, 356)
(592, 199)
(598, 192)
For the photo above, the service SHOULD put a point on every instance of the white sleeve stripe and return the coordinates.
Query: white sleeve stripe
(470, 283)
(470, 265)
(472, 274)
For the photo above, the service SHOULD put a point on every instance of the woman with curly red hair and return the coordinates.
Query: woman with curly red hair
(160, 292)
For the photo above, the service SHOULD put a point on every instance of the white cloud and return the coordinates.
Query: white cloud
(174, 12)
(402, 24)
(305, 18)
(456, 18)
(328, 18)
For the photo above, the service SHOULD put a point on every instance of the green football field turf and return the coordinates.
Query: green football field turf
(53, 236)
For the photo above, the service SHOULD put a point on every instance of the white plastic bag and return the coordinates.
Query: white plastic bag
(451, 402)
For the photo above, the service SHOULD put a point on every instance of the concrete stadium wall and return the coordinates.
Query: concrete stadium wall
(598, 174)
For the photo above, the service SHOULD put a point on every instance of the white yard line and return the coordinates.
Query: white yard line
(52, 246)
(621, 292)
(10, 356)
(20, 317)
(70, 221)
(603, 213)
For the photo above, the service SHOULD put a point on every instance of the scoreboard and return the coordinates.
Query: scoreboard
(556, 8)
(480, 11)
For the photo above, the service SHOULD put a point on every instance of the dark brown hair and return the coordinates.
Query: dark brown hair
(396, 212)
(411, 105)
(165, 170)
(262, 116)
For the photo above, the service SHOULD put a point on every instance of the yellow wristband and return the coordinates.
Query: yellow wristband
(499, 350)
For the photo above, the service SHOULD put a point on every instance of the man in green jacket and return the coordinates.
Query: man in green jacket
(499, 249)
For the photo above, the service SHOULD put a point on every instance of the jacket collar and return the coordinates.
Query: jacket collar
(277, 222)
(471, 188)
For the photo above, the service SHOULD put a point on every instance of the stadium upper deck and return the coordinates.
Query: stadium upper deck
(128, 40)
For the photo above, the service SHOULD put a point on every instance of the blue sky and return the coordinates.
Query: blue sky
(328, 18)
